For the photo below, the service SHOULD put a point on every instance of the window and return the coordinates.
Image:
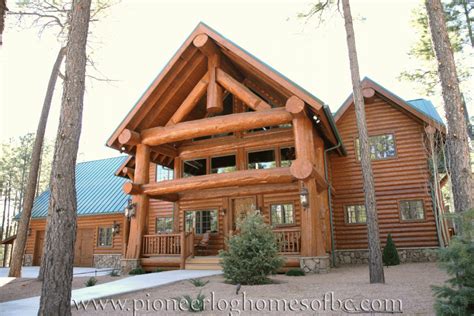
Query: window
(282, 214)
(164, 225)
(412, 210)
(105, 237)
(287, 155)
(261, 159)
(195, 167)
(164, 173)
(356, 214)
(380, 147)
(201, 221)
(223, 164)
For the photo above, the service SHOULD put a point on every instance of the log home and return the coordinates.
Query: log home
(219, 133)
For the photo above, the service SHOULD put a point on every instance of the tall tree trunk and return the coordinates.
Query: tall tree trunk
(457, 141)
(3, 11)
(375, 254)
(61, 229)
(22, 235)
(468, 20)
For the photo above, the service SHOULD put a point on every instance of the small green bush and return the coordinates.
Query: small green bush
(159, 270)
(390, 254)
(193, 305)
(115, 273)
(252, 255)
(91, 282)
(456, 296)
(295, 272)
(198, 282)
(137, 271)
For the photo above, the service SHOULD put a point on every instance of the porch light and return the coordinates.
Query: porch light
(115, 228)
(304, 200)
(130, 209)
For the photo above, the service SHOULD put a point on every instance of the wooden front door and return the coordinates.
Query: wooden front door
(84, 253)
(240, 207)
(39, 244)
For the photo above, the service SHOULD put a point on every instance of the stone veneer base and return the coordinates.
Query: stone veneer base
(315, 264)
(127, 265)
(107, 261)
(360, 256)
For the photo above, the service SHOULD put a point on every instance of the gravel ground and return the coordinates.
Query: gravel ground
(25, 287)
(409, 283)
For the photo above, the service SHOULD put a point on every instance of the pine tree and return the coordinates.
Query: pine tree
(390, 254)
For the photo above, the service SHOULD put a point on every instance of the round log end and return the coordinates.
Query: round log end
(294, 105)
(129, 137)
(200, 40)
(131, 188)
(301, 169)
(368, 93)
(214, 109)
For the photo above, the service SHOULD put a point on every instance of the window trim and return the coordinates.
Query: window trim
(395, 156)
(411, 220)
(286, 224)
(217, 209)
(346, 219)
(256, 150)
(156, 173)
(197, 158)
(224, 155)
(98, 237)
(156, 224)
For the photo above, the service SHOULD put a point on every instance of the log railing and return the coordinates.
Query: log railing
(187, 247)
(161, 244)
(289, 240)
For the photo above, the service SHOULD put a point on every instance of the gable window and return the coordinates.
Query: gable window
(164, 173)
(164, 225)
(380, 147)
(223, 164)
(196, 167)
(287, 155)
(282, 214)
(201, 221)
(105, 237)
(412, 210)
(261, 159)
(356, 214)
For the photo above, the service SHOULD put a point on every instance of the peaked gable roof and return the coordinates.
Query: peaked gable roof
(189, 65)
(420, 109)
(99, 191)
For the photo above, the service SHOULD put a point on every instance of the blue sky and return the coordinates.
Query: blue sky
(137, 38)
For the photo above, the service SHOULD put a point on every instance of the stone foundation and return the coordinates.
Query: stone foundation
(107, 261)
(27, 260)
(360, 256)
(315, 264)
(127, 265)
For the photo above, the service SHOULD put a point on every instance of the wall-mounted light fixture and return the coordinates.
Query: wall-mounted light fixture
(115, 228)
(304, 197)
(130, 209)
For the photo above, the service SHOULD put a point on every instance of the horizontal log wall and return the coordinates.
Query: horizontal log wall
(402, 178)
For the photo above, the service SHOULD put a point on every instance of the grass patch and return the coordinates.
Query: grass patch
(137, 271)
(295, 272)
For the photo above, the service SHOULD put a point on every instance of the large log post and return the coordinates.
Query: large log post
(312, 239)
(137, 223)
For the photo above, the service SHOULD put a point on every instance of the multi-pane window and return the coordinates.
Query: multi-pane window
(356, 214)
(164, 173)
(287, 155)
(202, 221)
(105, 237)
(164, 225)
(261, 159)
(412, 210)
(380, 147)
(282, 214)
(223, 164)
(196, 167)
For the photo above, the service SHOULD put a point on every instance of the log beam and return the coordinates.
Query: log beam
(237, 178)
(241, 92)
(129, 137)
(129, 172)
(214, 125)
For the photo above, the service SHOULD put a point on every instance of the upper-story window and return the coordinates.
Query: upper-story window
(412, 210)
(196, 167)
(380, 147)
(287, 155)
(164, 173)
(223, 164)
(261, 159)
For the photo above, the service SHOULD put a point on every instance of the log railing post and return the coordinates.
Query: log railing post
(182, 241)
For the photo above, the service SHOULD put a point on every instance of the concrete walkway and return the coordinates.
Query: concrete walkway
(29, 306)
(32, 272)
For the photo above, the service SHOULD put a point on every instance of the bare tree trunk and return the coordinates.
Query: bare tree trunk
(61, 229)
(375, 253)
(468, 20)
(3, 11)
(457, 138)
(22, 235)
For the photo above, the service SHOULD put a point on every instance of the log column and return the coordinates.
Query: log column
(303, 168)
(137, 222)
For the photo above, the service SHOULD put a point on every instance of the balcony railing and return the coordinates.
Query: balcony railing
(289, 240)
(181, 244)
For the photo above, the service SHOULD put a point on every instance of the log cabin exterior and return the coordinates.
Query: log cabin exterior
(219, 133)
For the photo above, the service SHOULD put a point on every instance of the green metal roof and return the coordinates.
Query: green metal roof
(427, 108)
(99, 191)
